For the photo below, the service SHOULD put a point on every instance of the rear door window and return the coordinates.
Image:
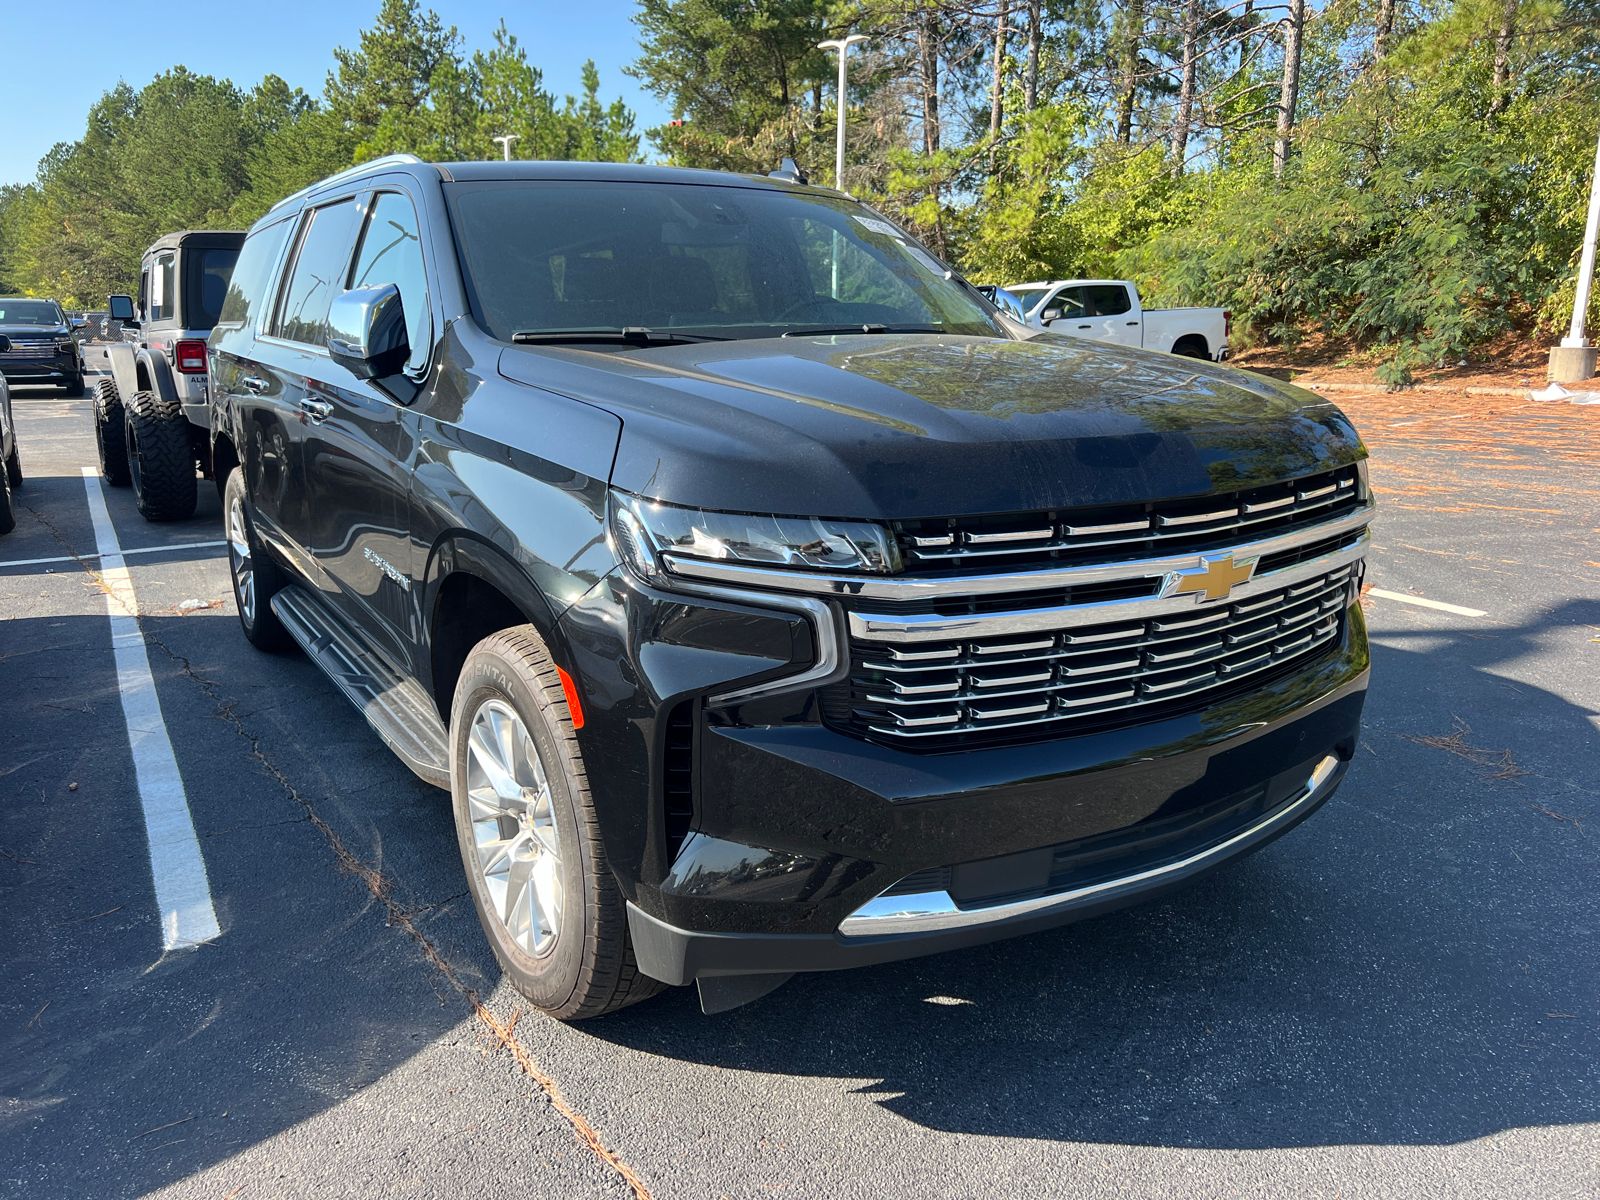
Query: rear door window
(163, 288)
(319, 265)
(1106, 299)
(250, 284)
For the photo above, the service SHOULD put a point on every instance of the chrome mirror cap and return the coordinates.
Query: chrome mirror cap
(367, 331)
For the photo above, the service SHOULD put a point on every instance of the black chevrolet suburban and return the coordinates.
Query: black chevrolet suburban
(765, 600)
(43, 344)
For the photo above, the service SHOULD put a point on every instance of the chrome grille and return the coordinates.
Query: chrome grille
(1089, 672)
(1108, 534)
(24, 347)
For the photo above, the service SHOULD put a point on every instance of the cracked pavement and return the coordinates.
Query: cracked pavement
(1399, 998)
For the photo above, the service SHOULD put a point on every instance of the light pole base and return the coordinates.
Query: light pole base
(1573, 364)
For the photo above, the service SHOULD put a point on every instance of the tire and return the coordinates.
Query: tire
(8, 514)
(14, 467)
(1192, 347)
(111, 433)
(585, 965)
(256, 576)
(73, 387)
(160, 458)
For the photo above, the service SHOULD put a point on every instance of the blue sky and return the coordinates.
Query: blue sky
(45, 94)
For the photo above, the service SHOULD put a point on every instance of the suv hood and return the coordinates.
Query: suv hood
(906, 426)
(25, 330)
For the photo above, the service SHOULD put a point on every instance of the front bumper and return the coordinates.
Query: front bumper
(58, 369)
(808, 843)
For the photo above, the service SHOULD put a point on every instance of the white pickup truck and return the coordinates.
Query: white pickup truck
(1108, 310)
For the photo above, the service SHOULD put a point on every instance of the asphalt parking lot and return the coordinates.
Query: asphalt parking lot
(1400, 998)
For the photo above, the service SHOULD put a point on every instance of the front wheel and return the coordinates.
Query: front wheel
(8, 515)
(73, 386)
(256, 577)
(14, 467)
(111, 433)
(161, 458)
(529, 836)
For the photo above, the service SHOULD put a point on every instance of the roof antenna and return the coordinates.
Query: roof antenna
(789, 170)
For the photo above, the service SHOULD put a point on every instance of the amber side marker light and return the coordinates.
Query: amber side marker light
(571, 689)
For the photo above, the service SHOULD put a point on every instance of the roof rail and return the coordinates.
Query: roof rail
(376, 164)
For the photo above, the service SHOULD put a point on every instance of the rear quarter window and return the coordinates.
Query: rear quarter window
(251, 279)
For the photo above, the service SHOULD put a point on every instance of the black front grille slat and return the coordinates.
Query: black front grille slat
(1129, 532)
(677, 783)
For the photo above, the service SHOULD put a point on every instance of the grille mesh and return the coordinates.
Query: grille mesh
(1087, 674)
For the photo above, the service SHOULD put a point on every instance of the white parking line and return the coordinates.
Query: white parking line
(66, 558)
(183, 893)
(1420, 602)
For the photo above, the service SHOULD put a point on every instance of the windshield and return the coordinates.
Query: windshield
(30, 312)
(546, 256)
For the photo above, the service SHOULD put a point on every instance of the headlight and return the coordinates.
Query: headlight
(645, 530)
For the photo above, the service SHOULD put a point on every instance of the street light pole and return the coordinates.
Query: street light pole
(1575, 359)
(842, 45)
(505, 141)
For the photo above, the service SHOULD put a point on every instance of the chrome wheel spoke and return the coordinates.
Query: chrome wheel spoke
(516, 839)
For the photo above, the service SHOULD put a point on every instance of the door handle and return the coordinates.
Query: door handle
(253, 383)
(1133, 322)
(1085, 326)
(317, 410)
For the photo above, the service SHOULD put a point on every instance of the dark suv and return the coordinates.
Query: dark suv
(764, 602)
(44, 348)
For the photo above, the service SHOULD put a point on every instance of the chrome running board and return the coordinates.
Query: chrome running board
(396, 708)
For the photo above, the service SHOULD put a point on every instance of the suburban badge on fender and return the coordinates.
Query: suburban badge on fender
(387, 567)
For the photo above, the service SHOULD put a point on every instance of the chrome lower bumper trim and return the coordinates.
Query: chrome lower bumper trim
(929, 912)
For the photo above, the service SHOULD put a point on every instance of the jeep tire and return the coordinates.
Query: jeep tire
(111, 433)
(526, 825)
(161, 459)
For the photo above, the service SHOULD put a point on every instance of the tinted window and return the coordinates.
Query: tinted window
(206, 271)
(251, 278)
(391, 252)
(726, 261)
(163, 289)
(1106, 299)
(318, 266)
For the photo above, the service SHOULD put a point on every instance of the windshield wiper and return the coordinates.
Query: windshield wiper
(628, 335)
(823, 330)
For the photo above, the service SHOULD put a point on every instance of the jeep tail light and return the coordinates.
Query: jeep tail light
(190, 357)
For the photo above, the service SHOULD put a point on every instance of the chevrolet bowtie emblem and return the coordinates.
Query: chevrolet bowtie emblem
(1215, 577)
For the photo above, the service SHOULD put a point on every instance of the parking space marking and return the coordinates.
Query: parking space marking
(183, 892)
(67, 558)
(1420, 602)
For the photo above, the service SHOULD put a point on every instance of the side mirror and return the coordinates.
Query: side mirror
(1054, 313)
(5, 344)
(367, 332)
(78, 322)
(120, 308)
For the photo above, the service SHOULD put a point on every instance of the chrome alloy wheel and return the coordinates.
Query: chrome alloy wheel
(514, 832)
(241, 560)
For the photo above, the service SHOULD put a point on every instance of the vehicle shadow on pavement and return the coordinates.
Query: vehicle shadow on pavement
(1412, 966)
(123, 1068)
